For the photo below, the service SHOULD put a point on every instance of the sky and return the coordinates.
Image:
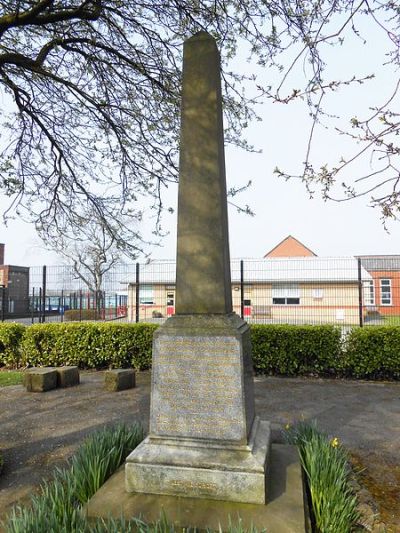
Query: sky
(281, 207)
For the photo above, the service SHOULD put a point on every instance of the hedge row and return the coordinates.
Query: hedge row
(369, 353)
(88, 345)
(10, 343)
(295, 350)
(373, 352)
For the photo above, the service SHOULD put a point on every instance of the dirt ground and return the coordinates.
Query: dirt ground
(39, 431)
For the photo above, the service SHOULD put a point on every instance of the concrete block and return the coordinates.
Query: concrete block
(119, 379)
(40, 379)
(67, 376)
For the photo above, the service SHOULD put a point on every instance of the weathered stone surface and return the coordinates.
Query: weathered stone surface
(207, 469)
(67, 376)
(202, 380)
(119, 379)
(204, 439)
(283, 514)
(40, 379)
(203, 282)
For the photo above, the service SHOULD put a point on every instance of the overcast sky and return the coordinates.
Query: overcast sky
(281, 208)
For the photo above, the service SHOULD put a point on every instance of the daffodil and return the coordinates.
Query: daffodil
(335, 442)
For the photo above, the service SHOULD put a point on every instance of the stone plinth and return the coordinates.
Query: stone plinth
(119, 379)
(204, 439)
(285, 512)
(40, 379)
(67, 376)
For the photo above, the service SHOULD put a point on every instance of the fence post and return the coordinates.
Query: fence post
(40, 305)
(241, 289)
(80, 305)
(137, 293)
(33, 306)
(44, 279)
(3, 294)
(360, 294)
(62, 311)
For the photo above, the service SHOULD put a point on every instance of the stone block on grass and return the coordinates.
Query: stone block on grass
(67, 376)
(119, 379)
(40, 379)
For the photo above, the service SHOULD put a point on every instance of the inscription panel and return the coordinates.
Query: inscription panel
(197, 388)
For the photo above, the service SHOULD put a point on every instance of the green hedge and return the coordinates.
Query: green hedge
(373, 352)
(296, 350)
(10, 343)
(88, 345)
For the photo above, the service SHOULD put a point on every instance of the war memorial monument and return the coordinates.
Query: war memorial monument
(205, 442)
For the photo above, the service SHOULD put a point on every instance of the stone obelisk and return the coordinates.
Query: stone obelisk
(205, 440)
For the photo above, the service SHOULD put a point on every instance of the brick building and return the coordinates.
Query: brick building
(14, 288)
(290, 247)
(382, 294)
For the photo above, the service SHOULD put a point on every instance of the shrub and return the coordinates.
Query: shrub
(81, 314)
(296, 350)
(89, 345)
(10, 343)
(373, 352)
(326, 465)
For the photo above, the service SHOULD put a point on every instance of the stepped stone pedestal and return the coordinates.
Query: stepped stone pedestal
(205, 440)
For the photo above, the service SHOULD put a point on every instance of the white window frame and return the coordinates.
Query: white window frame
(390, 291)
(318, 293)
(369, 292)
(146, 295)
(285, 292)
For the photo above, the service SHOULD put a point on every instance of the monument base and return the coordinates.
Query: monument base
(205, 440)
(202, 469)
(284, 513)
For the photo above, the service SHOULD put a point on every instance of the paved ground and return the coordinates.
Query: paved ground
(39, 431)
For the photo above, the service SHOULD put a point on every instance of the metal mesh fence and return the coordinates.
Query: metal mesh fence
(299, 290)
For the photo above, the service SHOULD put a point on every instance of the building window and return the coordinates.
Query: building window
(386, 292)
(318, 294)
(286, 295)
(146, 295)
(369, 293)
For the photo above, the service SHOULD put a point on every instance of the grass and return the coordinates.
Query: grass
(391, 320)
(10, 377)
(326, 466)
